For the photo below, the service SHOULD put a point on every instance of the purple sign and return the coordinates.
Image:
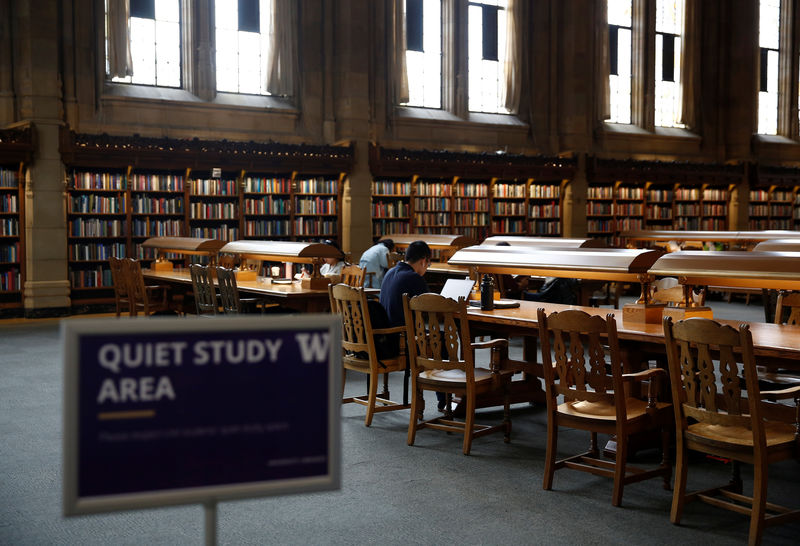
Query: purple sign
(175, 411)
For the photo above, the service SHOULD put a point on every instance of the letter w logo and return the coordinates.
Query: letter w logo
(313, 347)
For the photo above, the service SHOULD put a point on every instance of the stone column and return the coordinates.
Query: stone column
(38, 88)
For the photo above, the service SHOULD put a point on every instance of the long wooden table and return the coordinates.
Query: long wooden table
(291, 295)
(638, 341)
(774, 341)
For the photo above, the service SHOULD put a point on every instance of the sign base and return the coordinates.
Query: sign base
(642, 313)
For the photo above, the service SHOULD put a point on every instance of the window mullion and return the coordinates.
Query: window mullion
(787, 73)
(199, 48)
(642, 64)
(455, 94)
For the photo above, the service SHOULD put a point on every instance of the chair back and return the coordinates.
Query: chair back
(228, 291)
(581, 372)
(137, 293)
(351, 304)
(353, 275)
(790, 301)
(205, 296)
(437, 330)
(393, 258)
(707, 384)
(120, 280)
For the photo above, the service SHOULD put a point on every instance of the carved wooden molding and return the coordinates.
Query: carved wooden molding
(106, 151)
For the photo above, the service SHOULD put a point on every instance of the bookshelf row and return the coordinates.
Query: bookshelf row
(774, 207)
(112, 213)
(613, 207)
(475, 208)
(11, 242)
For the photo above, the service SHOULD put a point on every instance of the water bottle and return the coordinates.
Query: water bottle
(487, 293)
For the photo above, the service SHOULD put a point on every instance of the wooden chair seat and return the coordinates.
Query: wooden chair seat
(454, 377)
(777, 435)
(635, 409)
(361, 364)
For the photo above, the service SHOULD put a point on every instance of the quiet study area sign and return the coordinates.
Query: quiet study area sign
(176, 411)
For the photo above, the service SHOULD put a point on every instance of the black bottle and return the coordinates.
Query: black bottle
(487, 293)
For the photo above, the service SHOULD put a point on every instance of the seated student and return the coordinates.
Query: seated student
(555, 290)
(375, 261)
(512, 286)
(332, 266)
(406, 278)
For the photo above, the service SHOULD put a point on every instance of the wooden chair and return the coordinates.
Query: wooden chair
(205, 296)
(360, 354)
(598, 398)
(122, 301)
(721, 411)
(442, 358)
(231, 303)
(352, 275)
(148, 299)
(788, 302)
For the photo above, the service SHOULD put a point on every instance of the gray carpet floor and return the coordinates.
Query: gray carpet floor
(391, 493)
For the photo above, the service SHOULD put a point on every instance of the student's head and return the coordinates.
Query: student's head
(503, 243)
(388, 243)
(418, 256)
(331, 261)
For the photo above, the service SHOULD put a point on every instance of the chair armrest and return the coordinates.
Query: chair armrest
(783, 394)
(391, 330)
(652, 387)
(644, 374)
(499, 355)
(492, 343)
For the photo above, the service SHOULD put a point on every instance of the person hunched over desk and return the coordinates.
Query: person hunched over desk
(406, 278)
(375, 260)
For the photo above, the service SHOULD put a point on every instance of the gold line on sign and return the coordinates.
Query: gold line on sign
(137, 414)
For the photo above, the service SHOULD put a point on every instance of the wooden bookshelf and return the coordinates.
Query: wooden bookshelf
(16, 152)
(662, 195)
(12, 208)
(267, 207)
(433, 206)
(391, 206)
(165, 187)
(214, 207)
(97, 229)
(315, 211)
(157, 209)
(544, 207)
(471, 208)
(600, 211)
(509, 207)
(470, 194)
(775, 197)
(659, 205)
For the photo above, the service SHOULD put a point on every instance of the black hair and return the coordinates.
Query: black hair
(388, 243)
(330, 242)
(416, 251)
(503, 243)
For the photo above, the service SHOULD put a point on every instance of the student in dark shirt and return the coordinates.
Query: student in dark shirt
(405, 278)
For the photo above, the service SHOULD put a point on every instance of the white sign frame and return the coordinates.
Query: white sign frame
(72, 329)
